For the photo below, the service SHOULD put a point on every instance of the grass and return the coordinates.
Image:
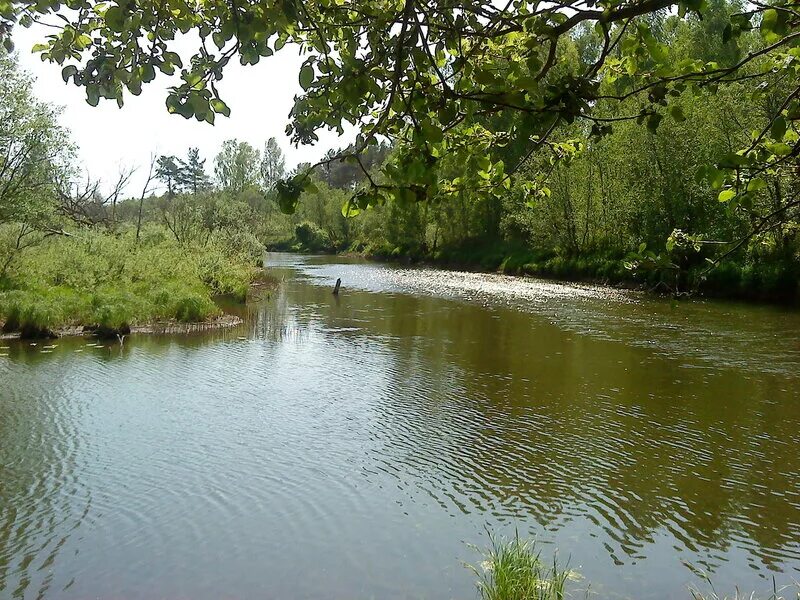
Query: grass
(790, 592)
(110, 283)
(513, 570)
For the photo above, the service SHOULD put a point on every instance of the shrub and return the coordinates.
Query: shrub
(311, 237)
(194, 307)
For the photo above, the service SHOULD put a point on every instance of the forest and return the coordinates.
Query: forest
(621, 200)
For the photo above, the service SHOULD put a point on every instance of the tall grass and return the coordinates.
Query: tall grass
(110, 282)
(513, 570)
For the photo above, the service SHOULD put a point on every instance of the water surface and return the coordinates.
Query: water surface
(355, 447)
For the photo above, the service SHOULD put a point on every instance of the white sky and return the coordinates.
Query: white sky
(260, 98)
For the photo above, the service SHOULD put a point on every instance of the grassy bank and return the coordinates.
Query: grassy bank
(111, 282)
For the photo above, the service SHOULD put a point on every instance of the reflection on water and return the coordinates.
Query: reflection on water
(349, 447)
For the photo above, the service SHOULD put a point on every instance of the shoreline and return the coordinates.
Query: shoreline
(171, 327)
(627, 284)
(260, 288)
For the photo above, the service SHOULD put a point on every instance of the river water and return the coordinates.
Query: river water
(356, 447)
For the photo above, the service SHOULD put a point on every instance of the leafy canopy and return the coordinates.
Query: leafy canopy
(429, 75)
(35, 152)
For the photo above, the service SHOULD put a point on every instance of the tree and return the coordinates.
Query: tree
(237, 166)
(167, 170)
(146, 188)
(429, 75)
(35, 152)
(191, 173)
(344, 174)
(273, 164)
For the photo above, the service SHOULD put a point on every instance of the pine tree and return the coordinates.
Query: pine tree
(167, 171)
(191, 176)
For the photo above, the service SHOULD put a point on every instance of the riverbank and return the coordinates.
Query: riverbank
(768, 282)
(171, 327)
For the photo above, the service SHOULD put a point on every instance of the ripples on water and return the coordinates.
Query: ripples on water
(349, 448)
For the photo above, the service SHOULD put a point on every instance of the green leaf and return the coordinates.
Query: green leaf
(220, 107)
(82, 41)
(68, 72)
(349, 209)
(92, 95)
(701, 174)
(288, 192)
(773, 25)
(756, 184)
(676, 112)
(716, 178)
(484, 77)
(653, 122)
(733, 160)
(115, 19)
(726, 195)
(780, 149)
(432, 133)
(778, 129)
(306, 76)
(727, 33)
(148, 73)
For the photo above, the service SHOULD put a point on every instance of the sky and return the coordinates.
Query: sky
(109, 138)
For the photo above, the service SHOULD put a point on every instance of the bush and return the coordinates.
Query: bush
(37, 313)
(194, 307)
(311, 237)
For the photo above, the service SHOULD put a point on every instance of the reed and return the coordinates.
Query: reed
(513, 569)
(788, 592)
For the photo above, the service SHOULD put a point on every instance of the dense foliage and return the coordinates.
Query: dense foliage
(627, 203)
(111, 282)
(575, 127)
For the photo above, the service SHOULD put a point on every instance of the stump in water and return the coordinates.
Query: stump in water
(336, 287)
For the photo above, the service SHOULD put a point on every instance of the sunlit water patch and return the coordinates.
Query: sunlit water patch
(723, 334)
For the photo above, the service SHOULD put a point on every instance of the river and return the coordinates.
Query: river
(356, 447)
